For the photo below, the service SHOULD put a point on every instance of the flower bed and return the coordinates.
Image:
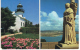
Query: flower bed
(19, 43)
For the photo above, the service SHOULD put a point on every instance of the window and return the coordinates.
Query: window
(21, 23)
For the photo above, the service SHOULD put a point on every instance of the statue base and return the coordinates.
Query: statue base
(66, 46)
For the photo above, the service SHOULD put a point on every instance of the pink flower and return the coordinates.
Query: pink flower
(6, 39)
(27, 47)
(17, 45)
(38, 45)
(20, 47)
(4, 45)
(10, 42)
(11, 45)
(4, 42)
(25, 44)
(30, 47)
(36, 39)
(31, 44)
(12, 39)
(33, 41)
(8, 46)
(20, 42)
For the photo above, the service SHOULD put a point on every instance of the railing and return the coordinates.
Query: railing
(17, 10)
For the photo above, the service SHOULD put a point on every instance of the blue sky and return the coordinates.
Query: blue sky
(31, 8)
(51, 14)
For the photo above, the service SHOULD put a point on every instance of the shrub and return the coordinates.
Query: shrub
(11, 31)
(16, 31)
(43, 40)
(30, 30)
(2, 33)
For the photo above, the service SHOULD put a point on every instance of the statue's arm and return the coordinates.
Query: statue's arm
(70, 23)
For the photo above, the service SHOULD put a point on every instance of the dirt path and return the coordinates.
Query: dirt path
(11, 34)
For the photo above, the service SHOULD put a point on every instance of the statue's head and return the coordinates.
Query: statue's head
(67, 5)
(72, 1)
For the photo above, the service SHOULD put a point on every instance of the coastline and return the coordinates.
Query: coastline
(52, 33)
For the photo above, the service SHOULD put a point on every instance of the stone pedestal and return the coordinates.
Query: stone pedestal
(67, 46)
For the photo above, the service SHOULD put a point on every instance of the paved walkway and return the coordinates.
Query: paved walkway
(11, 34)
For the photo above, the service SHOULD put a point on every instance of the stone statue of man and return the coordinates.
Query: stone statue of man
(69, 34)
(68, 24)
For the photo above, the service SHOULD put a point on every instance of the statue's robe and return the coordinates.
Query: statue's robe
(68, 27)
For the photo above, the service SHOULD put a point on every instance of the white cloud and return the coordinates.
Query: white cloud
(46, 23)
(77, 19)
(52, 16)
(77, 23)
(54, 22)
(43, 14)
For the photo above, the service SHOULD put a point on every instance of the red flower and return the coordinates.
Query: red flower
(12, 39)
(1, 39)
(5, 37)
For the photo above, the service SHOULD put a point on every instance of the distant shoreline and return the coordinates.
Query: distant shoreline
(53, 30)
(53, 33)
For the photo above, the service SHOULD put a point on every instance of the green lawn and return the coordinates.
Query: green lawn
(7, 33)
(29, 35)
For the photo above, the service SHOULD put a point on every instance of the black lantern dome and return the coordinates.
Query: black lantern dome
(19, 5)
(19, 8)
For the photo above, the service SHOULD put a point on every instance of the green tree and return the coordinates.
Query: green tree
(30, 25)
(26, 23)
(7, 19)
(37, 25)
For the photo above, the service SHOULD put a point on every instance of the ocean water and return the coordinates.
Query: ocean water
(57, 38)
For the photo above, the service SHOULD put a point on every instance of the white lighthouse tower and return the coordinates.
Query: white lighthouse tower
(19, 11)
(20, 20)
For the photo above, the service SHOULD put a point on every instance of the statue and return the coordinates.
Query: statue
(68, 24)
(69, 34)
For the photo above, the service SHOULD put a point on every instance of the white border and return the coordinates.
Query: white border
(39, 33)
(0, 24)
(79, 23)
(39, 28)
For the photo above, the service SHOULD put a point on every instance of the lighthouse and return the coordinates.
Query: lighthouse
(20, 20)
(19, 11)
